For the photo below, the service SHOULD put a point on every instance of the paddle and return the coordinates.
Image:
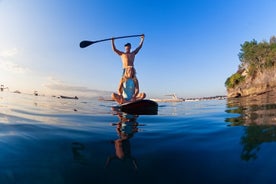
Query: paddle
(86, 43)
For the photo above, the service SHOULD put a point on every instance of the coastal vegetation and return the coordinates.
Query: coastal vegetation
(235, 79)
(257, 57)
(257, 65)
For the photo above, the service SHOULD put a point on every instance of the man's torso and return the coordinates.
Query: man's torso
(128, 59)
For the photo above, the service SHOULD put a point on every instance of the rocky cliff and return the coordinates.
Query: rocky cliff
(257, 70)
(260, 83)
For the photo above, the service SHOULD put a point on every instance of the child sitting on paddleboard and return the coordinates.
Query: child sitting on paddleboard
(128, 90)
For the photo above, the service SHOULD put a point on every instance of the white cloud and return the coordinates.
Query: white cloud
(9, 53)
(6, 61)
(12, 67)
(57, 85)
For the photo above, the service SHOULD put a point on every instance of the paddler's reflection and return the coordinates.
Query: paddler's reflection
(126, 128)
(77, 149)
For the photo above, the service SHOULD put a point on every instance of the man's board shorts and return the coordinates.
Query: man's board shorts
(124, 70)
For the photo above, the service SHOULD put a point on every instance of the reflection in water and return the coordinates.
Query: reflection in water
(77, 149)
(258, 116)
(126, 128)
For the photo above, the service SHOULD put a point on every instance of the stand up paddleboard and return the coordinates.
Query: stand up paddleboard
(139, 107)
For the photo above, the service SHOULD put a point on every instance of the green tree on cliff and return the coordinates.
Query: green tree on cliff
(254, 57)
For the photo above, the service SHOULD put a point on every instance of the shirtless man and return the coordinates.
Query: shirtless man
(128, 56)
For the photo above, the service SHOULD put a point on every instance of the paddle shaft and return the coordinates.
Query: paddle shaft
(87, 43)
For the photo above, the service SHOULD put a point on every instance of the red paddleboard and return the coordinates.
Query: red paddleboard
(139, 107)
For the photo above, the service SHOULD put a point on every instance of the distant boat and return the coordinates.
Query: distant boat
(69, 97)
(173, 99)
(2, 87)
(104, 99)
(17, 91)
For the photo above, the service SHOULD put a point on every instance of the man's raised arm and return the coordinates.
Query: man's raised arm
(114, 48)
(140, 44)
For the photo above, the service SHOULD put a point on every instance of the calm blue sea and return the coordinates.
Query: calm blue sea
(60, 141)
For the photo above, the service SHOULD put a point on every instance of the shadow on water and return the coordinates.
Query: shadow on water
(258, 116)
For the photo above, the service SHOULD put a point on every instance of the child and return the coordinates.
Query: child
(128, 90)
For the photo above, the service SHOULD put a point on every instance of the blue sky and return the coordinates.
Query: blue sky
(190, 47)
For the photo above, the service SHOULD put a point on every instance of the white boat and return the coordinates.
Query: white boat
(173, 99)
(69, 97)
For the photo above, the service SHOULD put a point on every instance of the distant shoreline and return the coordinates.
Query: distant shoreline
(221, 97)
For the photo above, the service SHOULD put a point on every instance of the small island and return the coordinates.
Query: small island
(256, 73)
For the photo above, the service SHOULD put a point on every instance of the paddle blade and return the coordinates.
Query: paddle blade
(85, 43)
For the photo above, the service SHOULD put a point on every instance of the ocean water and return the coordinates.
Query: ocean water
(59, 141)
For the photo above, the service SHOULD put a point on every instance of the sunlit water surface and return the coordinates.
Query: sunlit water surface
(51, 140)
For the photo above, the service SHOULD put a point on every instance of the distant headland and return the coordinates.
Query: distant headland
(256, 73)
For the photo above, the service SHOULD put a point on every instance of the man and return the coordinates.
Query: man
(127, 56)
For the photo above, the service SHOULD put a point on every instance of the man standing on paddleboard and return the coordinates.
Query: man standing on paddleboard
(127, 56)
